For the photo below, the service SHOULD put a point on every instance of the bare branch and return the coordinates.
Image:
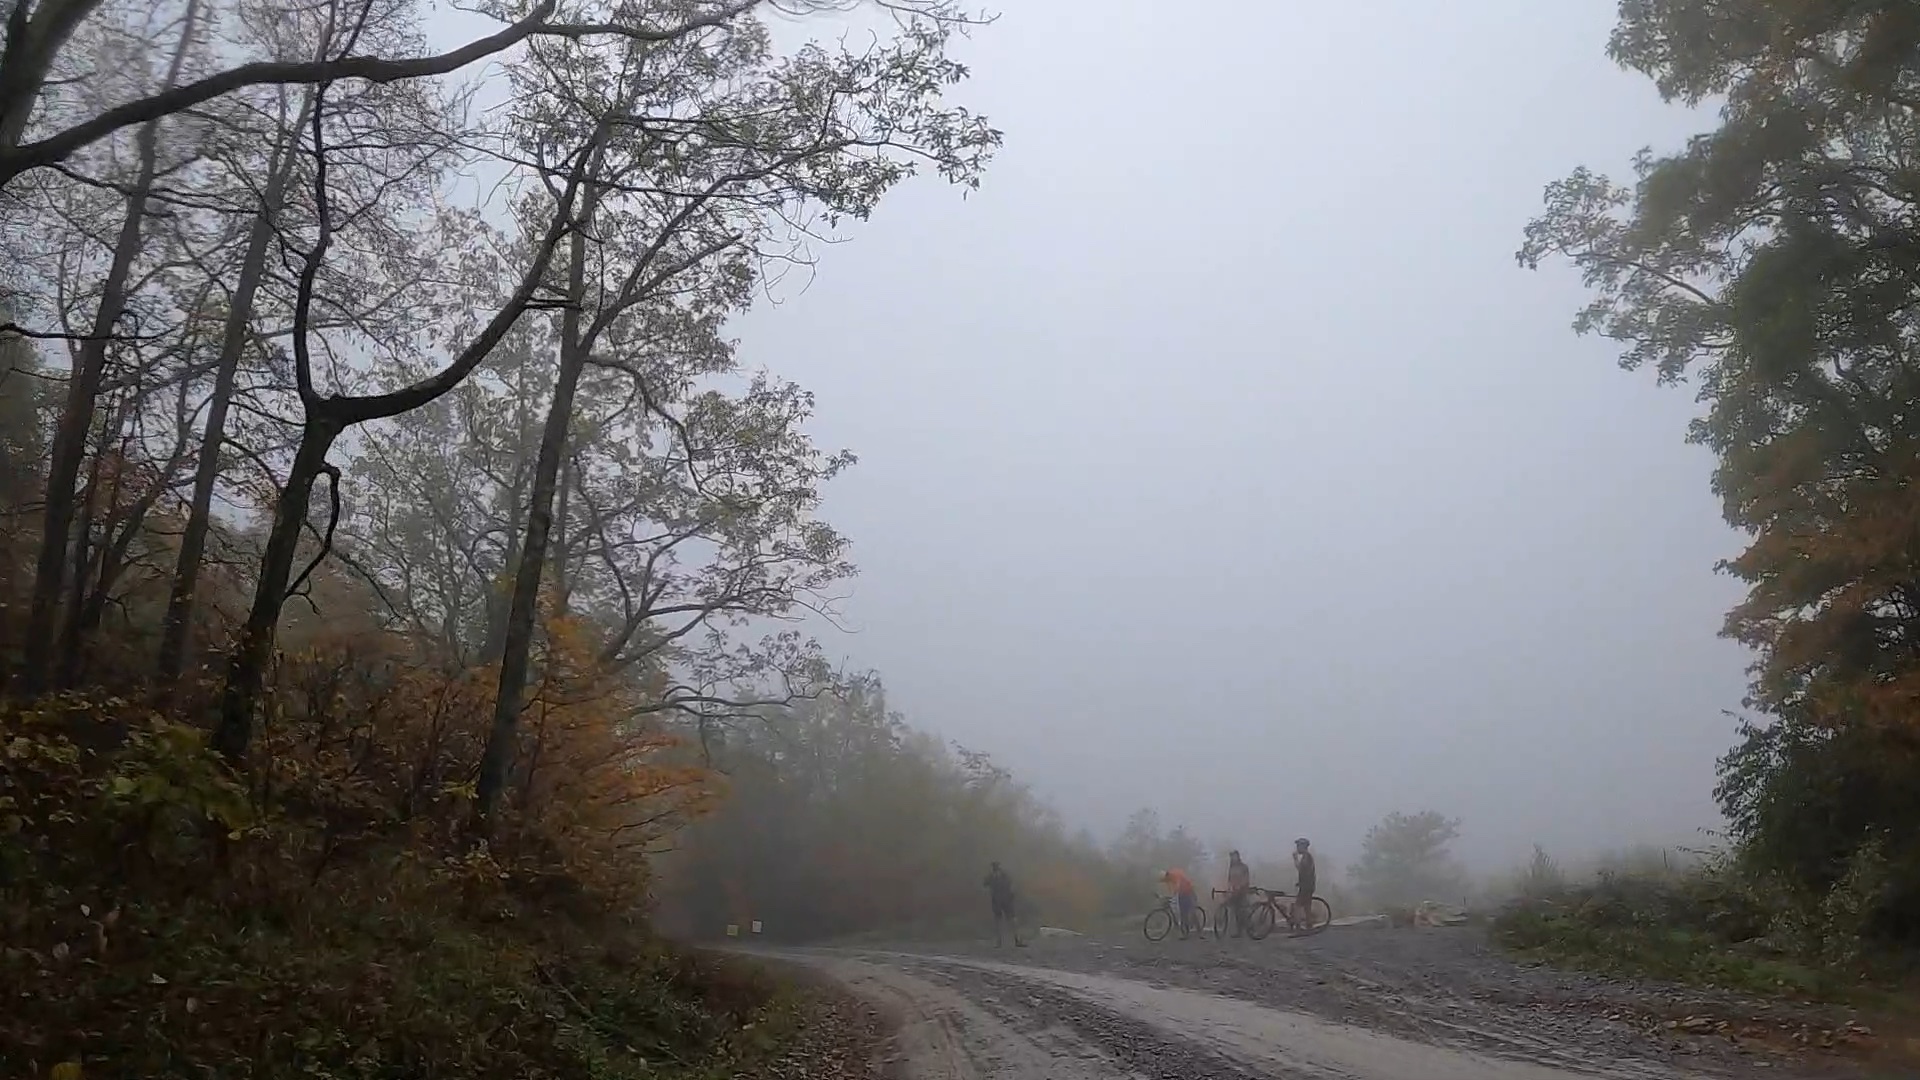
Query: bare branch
(59, 146)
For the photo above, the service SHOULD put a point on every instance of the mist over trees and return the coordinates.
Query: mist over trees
(400, 557)
(1404, 860)
(839, 819)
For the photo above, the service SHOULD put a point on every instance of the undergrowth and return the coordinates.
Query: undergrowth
(1706, 926)
(159, 917)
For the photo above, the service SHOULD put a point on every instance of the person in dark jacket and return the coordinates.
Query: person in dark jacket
(1304, 886)
(1000, 892)
(1239, 888)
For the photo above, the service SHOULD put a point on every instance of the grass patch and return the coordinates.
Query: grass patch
(1672, 953)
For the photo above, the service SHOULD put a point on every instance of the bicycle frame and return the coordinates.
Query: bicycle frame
(1283, 907)
(1225, 907)
(1171, 905)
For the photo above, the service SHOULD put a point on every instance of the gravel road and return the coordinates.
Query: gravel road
(1350, 1004)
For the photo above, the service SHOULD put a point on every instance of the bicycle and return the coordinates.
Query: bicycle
(1166, 915)
(1226, 913)
(1272, 907)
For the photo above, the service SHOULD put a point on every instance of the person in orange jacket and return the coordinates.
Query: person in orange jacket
(1182, 886)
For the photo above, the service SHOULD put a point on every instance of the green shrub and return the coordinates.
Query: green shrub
(1715, 925)
(1831, 818)
(157, 921)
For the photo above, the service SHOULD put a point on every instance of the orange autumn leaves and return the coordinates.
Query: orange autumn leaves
(1834, 579)
(389, 738)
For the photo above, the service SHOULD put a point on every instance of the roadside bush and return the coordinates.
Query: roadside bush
(1818, 889)
(328, 915)
(1540, 879)
(1717, 923)
(1832, 819)
(1708, 927)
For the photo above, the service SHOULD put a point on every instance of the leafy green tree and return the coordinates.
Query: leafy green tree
(1405, 859)
(1772, 262)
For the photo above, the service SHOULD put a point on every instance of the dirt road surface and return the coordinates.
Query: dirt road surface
(1347, 1004)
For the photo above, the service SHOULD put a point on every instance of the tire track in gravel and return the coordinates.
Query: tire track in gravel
(1449, 987)
(944, 1035)
(971, 1019)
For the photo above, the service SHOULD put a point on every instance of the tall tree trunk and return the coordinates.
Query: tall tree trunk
(327, 416)
(76, 419)
(177, 627)
(499, 607)
(71, 633)
(562, 536)
(113, 559)
(70, 436)
(247, 667)
(518, 642)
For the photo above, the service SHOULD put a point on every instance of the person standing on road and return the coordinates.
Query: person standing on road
(1303, 888)
(1182, 887)
(1000, 892)
(1239, 885)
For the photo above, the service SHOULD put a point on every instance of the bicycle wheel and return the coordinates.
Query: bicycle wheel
(1319, 916)
(1200, 920)
(1220, 916)
(1260, 920)
(1158, 924)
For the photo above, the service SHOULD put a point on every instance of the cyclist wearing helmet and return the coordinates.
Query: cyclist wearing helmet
(1303, 889)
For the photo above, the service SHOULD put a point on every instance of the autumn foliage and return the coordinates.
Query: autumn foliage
(350, 838)
(1769, 261)
(376, 567)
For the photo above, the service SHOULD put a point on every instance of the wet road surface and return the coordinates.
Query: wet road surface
(1356, 1006)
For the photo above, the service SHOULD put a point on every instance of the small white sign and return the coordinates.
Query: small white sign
(756, 926)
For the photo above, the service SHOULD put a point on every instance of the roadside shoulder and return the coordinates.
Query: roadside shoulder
(817, 1029)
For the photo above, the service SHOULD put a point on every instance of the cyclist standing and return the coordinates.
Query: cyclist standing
(1303, 889)
(1182, 887)
(1239, 884)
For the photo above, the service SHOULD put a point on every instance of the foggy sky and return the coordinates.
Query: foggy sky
(1216, 456)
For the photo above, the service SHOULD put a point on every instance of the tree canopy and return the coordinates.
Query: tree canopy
(1770, 262)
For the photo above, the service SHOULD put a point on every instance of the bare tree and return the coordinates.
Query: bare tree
(241, 330)
(36, 32)
(83, 388)
(683, 195)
